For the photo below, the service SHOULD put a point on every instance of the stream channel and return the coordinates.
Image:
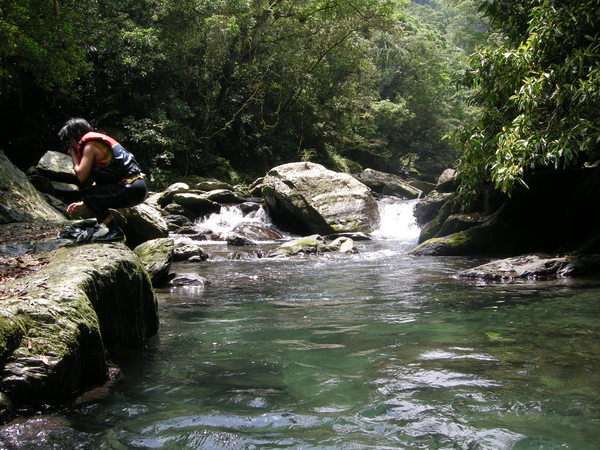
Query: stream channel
(378, 349)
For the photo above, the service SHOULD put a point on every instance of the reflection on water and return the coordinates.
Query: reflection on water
(374, 350)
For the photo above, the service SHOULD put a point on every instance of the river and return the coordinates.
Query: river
(374, 350)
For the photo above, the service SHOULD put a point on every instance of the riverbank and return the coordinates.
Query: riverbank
(59, 321)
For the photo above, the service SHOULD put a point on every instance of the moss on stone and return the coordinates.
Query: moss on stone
(12, 330)
(54, 337)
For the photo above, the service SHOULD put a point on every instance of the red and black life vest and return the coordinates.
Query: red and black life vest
(122, 165)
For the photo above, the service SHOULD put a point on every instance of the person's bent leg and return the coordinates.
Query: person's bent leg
(100, 198)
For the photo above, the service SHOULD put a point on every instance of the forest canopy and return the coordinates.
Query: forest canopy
(538, 93)
(230, 88)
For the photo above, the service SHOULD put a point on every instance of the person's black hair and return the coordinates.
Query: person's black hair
(74, 128)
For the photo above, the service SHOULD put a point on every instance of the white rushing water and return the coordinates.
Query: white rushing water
(397, 220)
(232, 215)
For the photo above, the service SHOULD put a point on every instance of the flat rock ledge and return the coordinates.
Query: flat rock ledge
(541, 267)
(57, 324)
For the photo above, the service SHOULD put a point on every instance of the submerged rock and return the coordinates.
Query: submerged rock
(188, 280)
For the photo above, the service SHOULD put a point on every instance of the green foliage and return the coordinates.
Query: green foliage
(234, 87)
(41, 41)
(539, 96)
(307, 154)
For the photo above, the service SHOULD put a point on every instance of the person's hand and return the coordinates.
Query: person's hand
(74, 207)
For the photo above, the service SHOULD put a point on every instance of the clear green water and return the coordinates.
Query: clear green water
(375, 350)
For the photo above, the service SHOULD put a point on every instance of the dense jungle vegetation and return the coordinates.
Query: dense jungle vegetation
(230, 88)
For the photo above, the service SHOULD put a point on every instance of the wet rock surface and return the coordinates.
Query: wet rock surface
(535, 267)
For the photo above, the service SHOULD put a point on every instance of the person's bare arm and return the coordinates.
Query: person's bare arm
(83, 168)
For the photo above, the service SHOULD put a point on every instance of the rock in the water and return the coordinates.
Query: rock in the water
(535, 267)
(307, 198)
(166, 197)
(183, 252)
(255, 232)
(198, 204)
(313, 245)
(188, 280)
(156, 256)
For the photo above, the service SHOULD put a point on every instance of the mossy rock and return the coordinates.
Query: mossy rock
(156, 256)
(59, 323)
(306, 245)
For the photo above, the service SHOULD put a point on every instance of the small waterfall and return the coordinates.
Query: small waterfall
(397, 220)
(232, 215)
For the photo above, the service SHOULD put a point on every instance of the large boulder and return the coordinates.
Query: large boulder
(165, 197)
(19, 200)
(57, 167)
(197, 203)
(460, 222)
(492, 235)
(189, 252)
(434, 227)
(388, 184)
(308, 198)
(429, 207)
(447, 181)
(551, 215)
(57, 323)
(141, 223)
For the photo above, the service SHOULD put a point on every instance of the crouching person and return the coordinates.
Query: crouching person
(110, 176)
